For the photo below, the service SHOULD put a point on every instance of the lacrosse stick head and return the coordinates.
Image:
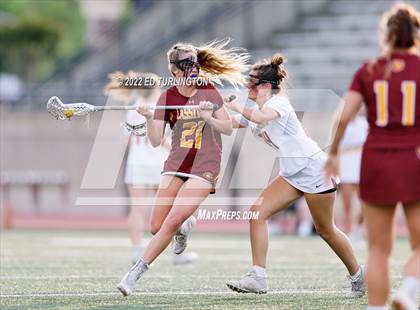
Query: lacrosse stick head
(137, 130)
(62, 111)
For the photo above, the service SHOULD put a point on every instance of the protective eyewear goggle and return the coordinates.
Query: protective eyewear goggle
(186, 64)
(254, 81)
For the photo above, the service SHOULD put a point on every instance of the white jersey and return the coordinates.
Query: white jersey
(351, 150)
(286, 135)
(355, 134)
(144, 162)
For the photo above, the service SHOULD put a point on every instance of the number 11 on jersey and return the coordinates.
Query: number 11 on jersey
(408, 89)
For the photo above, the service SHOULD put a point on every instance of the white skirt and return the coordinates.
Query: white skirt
(311, 179)
(138, 175)
(350, 166)
(144, 164)
(145, 154)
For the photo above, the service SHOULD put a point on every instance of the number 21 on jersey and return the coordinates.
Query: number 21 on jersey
(408, 89)
(187, 137)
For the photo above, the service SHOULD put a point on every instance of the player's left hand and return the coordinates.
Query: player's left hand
(231, 104)
(331, 166)
(206, 110)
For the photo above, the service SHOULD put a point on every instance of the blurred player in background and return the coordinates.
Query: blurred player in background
(390, 171)
(350, 157)
(193, 165)
(144, 162)
(301, 163)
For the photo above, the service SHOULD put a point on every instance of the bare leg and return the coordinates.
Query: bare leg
(360, 216)
(189, 198)
(347, 191)
(379, 223)
(322, 210)
(137, 215)
(168, 189)
(278, 195)
(412, 215)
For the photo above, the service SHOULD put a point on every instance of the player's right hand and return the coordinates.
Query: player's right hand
(331, 166)
(144, 110)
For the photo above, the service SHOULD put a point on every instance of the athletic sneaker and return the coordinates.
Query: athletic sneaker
(185, 258)
(180, 239)
(358, 284)
(127, 283)
(250, 283)
(402, 300)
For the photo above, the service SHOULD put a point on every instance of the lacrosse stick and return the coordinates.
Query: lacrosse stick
(141, 129)
(137, 130)
(62, 111)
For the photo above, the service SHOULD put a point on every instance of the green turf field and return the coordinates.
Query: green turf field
(79, 270)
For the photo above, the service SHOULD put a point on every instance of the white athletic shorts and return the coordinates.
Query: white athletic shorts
(144, 163)
(350, 166)
(138, 175)
(311, 179)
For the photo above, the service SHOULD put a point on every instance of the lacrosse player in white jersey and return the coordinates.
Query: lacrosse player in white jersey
(301, 174)
(349, 172)
(144, 162)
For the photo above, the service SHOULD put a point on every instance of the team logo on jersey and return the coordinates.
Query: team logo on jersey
(397, 65)
(208, 176)
(171, 117)
(187, 114)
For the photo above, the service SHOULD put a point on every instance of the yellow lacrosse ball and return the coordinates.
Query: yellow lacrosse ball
(68, 113)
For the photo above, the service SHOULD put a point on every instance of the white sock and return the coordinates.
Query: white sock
(183, 227)
(136, 251)
(357, 274)
(137, 248)
(260, 271)
(411, 285)
(377, 308)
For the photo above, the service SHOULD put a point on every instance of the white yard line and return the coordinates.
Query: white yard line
(56, 277)
(170, 293)
(95, 242)
(209, 202)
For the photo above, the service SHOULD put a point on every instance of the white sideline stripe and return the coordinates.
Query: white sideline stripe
(124, 242)
(121, 201)
(166, 293)
(117, 277)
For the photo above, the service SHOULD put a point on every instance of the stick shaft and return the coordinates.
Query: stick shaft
(166, 107)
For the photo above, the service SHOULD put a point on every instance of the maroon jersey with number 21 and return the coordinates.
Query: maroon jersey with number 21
(196, 147)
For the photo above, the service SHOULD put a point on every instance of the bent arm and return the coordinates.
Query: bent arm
(236, 124)
(155, 131)
(221, 122)
(352, 103)
(257, 116)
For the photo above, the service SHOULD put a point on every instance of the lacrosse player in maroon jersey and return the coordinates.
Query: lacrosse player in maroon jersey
(390, 170)
(192, 167)
(144, 162)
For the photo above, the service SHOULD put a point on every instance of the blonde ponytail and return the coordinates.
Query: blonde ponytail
(216, 62)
